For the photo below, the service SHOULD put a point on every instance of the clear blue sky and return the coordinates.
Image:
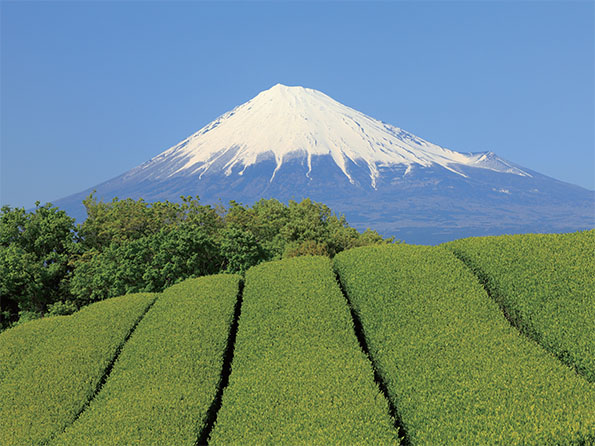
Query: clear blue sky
(92, 89)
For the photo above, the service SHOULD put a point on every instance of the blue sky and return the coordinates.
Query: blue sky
(92, 89)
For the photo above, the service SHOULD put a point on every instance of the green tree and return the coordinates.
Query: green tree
(131, 245)
(35, 258)
(124, 220)
(241, 249)
(178, 253)
(146, 264)
(270, 217)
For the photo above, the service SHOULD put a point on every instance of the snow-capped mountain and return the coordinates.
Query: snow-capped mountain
(295, 142)
(285, 123)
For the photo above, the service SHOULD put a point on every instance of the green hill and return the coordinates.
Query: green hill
(545, 283)
(480, 341)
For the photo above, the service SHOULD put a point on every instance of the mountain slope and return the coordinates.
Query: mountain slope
(284, 123)
(293, 142)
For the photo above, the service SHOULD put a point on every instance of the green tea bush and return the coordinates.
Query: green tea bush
(546, 285)
(298, 373)
(166, 377)
(456, 370)
(18, 342)
(46, 390)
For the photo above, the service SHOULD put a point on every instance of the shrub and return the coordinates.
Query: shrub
(456, 370)
(147, 264)
(241, 249)
(18, 342)
(28, 316)
(546, 285)
(307, 248)
(46, 390)
(298, 373)
(166, 377)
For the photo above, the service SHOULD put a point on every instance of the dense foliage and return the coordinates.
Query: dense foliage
(150, 263)
(17, 343)
(456, 370)
(298, 374)
(166, 377)
(546, 284)
(36, 249)
(51, 383)
(127, 246)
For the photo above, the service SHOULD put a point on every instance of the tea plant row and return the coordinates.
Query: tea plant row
(546, 284)
(16, 344)
(60, 369)
(456, 370)
(299, 375)
(161, 387)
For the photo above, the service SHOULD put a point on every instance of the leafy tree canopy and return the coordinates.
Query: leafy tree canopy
(36, 249)
(49, 265)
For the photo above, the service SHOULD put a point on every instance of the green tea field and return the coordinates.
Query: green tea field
(480, 341)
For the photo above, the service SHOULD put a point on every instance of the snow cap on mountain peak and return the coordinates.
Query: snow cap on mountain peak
(285, 122)
(281, 87)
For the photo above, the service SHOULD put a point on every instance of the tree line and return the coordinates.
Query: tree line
(51, 265)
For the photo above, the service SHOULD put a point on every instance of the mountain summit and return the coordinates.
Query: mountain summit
(295, 142)
(286, 123)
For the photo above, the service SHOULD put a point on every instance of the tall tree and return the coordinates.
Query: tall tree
(35, 251)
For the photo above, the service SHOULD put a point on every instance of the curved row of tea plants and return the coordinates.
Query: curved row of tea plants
(167, 375)
(456, 370)
(50, 386)
(546, 284)
(298, 374)
(17, 343)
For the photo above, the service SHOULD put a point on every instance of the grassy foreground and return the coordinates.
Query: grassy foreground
(456, 370)
(459, 364)
(546, 285)
(299, 375)
(166, 378)
(50, 386)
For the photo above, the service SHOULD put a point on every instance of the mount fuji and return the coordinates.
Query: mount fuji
(295, 142)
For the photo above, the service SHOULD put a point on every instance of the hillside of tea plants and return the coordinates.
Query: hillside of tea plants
(545, 283)
(481, 341)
